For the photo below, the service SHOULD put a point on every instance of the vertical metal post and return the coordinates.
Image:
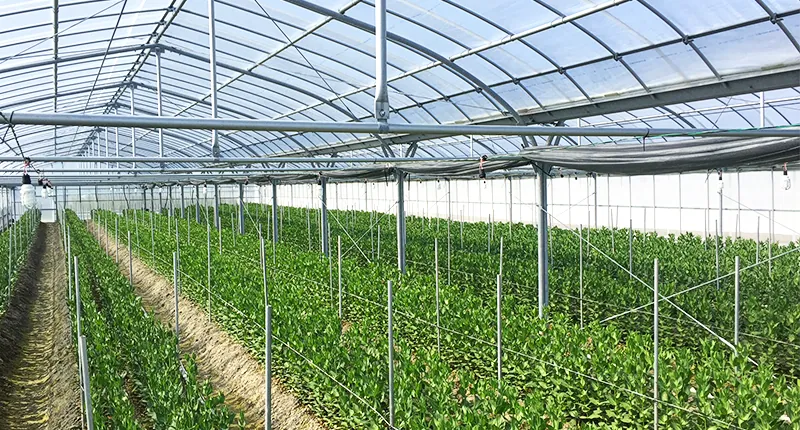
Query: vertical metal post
(216, 205)
(55, 74)
(594, 175)
(580, 270)
(739, 204)
(716, 250)
(720, 212)
(197, 204)
(116, 140)
(208, 265)
(401, 222)
(116, 239)
(78, 305)
(379, 242)
(771, 238)
(87, 392)
(130, 258)
(630, 248)
(449, 242)
(381, 93)
(267, 363)
(736, 302)
(680, 205)
(542, 239)
(212, 63)
(499, 329)
(510, 205)
(707, 211)
(175, 285)
(152, 239)
(324, 229)
(391, 353)
(339, 257)
(159, 111)
(655, 344)
(263, 254)
(9, 264)
(274, 211)
(241, 209)
(438, 314)
(132, 87)
(183, 202)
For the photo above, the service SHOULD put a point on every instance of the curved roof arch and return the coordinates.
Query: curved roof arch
(589, 63)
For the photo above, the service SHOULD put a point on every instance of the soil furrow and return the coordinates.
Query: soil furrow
(38, 370)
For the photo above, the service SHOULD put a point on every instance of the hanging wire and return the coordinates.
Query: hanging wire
(299, 51)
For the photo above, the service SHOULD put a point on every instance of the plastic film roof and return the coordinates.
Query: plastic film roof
(590, 63)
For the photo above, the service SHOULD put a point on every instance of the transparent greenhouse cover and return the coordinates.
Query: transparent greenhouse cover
(586, 63)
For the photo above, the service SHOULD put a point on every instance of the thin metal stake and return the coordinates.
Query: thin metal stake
(78, 305)
(339, 256)
(152, 240)
(379, 242)
(630, 248)
(208, 265)
(130, 258)
(267, 362)
(716, 250)
(655, 344)
(499, 330)
(580, 270)
(438, 318)
(391, 356)
(87, 392)
(736, 302)
(175, 284)
(116, 238)
(264, 268)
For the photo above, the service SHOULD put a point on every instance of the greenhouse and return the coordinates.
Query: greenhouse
(403, 214)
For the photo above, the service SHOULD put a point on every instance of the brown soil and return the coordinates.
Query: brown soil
(38, 370)
(221, 360)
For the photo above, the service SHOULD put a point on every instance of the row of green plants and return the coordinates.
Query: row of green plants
(14, 255)
(555, 374)
(134, 365)
(770, 297)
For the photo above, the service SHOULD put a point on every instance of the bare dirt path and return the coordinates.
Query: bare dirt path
(224, 362)
(38, 370)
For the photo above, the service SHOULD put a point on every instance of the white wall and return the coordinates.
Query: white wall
(667, 203)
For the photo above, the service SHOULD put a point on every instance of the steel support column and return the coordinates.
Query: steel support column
(212, 60)
(55, 73)
(116, 140)
(158, 102)
(241, 208)
(197, 204)
(183, 203)
(381, 93)
(401, 222)
(326, 248)
(542, 233)
(275, 223)
(132, 87)
(216, 206)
